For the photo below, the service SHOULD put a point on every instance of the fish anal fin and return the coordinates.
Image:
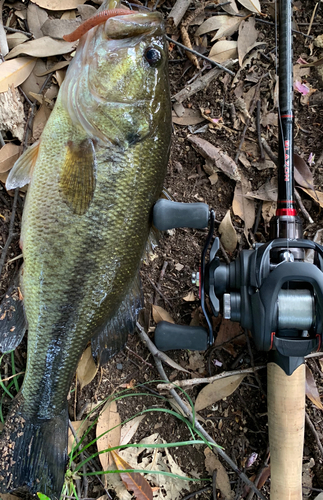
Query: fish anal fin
(33, 453)
(13, 323)
(77, 176)
(112, 338)
(22, 171)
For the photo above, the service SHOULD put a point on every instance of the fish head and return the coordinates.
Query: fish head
(117, 86)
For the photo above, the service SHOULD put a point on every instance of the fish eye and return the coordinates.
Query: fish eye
(153, 56)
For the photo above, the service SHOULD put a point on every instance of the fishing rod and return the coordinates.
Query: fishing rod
(269, 289)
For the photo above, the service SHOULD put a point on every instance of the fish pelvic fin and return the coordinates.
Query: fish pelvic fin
(78, 175)
(21, 172)
(113, 336)
(33, 453)
(13, 322)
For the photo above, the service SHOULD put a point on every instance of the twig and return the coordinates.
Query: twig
(251, 110)
(262, 154)
(311, 426)
(11, 234)
(13, 30)
(223, 68)
(157, 355)
(12, 376)
(269, 151)
(85, 481)
(187, 42)
(139, 357)
(273, 24)
(314, 355)
(207, 380)
(160, 293)
(191, 495)
(302, 208)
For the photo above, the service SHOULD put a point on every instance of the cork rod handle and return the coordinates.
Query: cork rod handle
(286, 416)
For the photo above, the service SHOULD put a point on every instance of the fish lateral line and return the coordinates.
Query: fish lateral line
(95, 20)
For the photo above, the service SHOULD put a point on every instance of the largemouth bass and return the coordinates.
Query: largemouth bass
(94, 177)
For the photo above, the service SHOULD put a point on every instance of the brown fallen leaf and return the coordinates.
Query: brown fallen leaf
(268, 210)
(80, 427)
(212, 463)
(9, 153)
(86, 369)
(43, 47)
(57, 28)
(34, 82)
(226, 26)
(311, 389)
(189, 117)
(159, 314)
(228, 234)
(58, 4)
(303, 175)
(190, 297)
(109, 420)
(223, 50)
(231, 8)
(134, 481)
(247, 37)
(229, 331)
(15, 72)
(218, 390)
(55, 67)
(7, 496)
(315, 195)
(242, 206)
(215, 157)
(36, 17)
(252, 5)
(40, 121)
(15, 39)
(129, 429)
(266, 192)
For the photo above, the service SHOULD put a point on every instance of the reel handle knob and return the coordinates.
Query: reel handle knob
(171, 214)
(169, 337)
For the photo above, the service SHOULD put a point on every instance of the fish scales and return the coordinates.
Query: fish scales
(94, 177)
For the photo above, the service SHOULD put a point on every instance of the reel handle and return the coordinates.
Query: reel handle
(286, 419)
(172, 214)
(169, 337)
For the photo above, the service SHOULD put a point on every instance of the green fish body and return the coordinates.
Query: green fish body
(94, 177)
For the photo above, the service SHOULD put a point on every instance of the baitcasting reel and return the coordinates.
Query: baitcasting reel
(269, 290)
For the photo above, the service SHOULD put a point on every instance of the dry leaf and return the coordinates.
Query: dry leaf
(266, 192)
(218, 390)
(60, 76)
(231, 8)
(190, 117)
(34, 82)
(58, 4)
(212, 463)
(57, 28)
(190, 297)
(223, 50)
(15, 72)
(311, 389)
(86, 11)
(252, 5)
(303, 175)
(316, 196)
(86, 369)
(55, 67)
(196, 361)
(226, 26)
(7, 496)
(43, 47)
(15, 39)
(129, 429)
(109, 420)
(242, 206)
(12, 114)
(9, 153)
(134, 481)
(228, 332)
(268, 210)
(36, 17)
(80, 427)
(228, 234)
(159, 314)
(40, 121)
(215, 157)
(247, 37)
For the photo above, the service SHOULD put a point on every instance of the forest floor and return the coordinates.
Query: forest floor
(230, 113)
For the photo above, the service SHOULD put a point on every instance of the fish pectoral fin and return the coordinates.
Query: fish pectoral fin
(22, 171)
(13, 322)
(33, 452)
(113, 336)
(77, 176)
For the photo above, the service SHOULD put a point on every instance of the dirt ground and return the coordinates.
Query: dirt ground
(238, 422)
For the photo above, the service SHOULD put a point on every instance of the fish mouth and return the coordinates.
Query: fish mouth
(139, 23)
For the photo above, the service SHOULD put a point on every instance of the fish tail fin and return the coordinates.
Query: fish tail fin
(33, 453)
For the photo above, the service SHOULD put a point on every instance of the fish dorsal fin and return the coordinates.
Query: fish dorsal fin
(22, 171)
(77, 176)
